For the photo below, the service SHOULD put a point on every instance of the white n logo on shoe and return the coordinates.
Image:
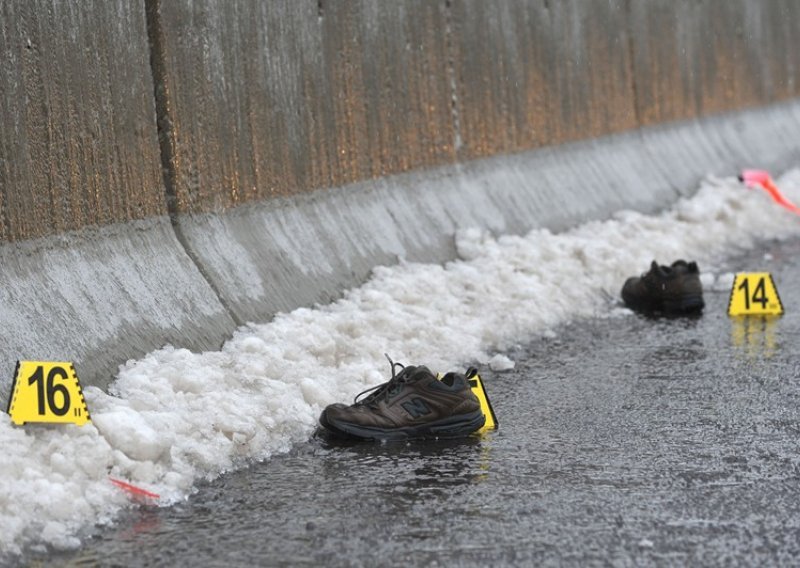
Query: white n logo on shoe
(416, 407)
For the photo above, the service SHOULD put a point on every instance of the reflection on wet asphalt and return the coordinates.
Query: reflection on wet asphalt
(626, 440)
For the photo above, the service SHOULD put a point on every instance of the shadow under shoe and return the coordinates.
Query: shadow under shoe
(674, 289)
(413, 404)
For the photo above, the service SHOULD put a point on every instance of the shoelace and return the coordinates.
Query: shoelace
(389, 387)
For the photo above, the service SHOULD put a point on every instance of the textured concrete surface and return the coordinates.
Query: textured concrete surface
(695, 58)
(534, 73)
(417, 85)
(90, 267)
(275, 98)
(77, 143)
(286, 97)
(274, 256)
(724, 144)
(100, 296)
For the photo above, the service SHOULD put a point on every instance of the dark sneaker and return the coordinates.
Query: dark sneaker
(674, 289)
(413, 404)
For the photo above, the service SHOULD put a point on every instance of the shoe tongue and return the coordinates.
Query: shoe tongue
(660, 270)
(413, 374)
(410, 374)
(406, 372)
(450, 378)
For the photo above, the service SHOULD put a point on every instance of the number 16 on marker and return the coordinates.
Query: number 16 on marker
(46, 391)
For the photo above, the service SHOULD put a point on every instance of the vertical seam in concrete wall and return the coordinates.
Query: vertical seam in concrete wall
(632, 62)
(166, 139)
(451, 71)
(5, 218)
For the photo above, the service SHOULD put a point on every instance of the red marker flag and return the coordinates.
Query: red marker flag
(137, 492)
(762, 178)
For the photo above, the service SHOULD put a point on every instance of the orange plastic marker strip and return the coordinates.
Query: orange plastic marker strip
(762, 178)
(133, 490)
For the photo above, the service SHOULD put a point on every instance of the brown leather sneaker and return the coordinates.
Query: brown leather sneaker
(674, 289)
(413, 404)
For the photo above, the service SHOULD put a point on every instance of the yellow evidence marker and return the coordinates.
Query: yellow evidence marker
(476, 383)
(754, 293)
(49, 392)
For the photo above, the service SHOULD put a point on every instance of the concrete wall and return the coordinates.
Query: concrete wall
(697, 58)
(90, 267)
(169, 169)
(275, 98)
(77, 141)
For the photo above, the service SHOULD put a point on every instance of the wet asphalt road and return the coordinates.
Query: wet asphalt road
(623, 441)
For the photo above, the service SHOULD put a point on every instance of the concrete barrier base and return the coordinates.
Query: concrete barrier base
(278, 255)
(99, 297)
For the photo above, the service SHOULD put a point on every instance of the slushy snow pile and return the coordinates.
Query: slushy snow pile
(176, 417)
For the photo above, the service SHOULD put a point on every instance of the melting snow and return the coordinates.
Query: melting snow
(175, 417)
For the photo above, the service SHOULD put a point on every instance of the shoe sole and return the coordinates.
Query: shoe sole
(453, 427)
(684, 305)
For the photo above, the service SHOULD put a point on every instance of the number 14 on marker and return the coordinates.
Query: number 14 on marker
(754, 293)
